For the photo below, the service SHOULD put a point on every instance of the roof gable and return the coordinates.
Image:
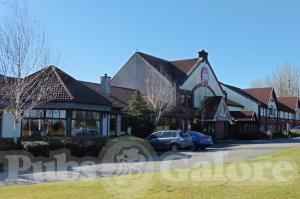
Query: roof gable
(67, 89)
(185, 65)
(243, 115)
(166, 68)
(264, 95)
(241, 92)
(290, 102)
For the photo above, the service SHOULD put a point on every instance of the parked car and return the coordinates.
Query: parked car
(201, 140)
(86, 133)
(295, 130)
(171, 140)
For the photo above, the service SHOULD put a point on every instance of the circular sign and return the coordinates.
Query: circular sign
(204, 75)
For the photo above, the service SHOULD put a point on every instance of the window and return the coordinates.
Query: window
(166, 135)
(44, 122)
(86, 123)
(184, 135)
(55, 122)
(182, 100)
(33, 123)
(32, 127)
(113, 122)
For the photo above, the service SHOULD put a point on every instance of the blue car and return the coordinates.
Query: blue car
(200, 140)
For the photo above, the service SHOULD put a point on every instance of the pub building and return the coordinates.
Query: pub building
(201, 102)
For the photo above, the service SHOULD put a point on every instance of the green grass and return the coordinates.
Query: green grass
(190, 185)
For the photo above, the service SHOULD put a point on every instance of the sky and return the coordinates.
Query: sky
(245, 40)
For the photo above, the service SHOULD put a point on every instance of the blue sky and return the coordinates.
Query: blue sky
(245, 39)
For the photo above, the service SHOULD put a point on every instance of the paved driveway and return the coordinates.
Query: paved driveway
(220, 153)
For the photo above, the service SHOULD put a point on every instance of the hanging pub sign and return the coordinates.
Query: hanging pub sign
(204, 75)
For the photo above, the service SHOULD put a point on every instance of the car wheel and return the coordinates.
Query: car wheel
(203, 147)
(174, 147)
(194, 147)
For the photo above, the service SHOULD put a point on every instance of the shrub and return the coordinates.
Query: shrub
(281, 134)
(7, 144)
(36, 148)
(78, 146)
(84, 146)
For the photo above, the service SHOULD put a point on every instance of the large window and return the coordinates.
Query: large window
(182, 100)
(55, 122)
(86, 123)
(33, 123)
(44, 122)
(113, 125)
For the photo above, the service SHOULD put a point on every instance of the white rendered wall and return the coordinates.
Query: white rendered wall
(8, 126)
(195, 78)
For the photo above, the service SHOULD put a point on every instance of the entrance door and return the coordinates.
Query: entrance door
(220, 130)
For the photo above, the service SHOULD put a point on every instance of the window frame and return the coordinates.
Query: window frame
(87, 119)
(44, 118)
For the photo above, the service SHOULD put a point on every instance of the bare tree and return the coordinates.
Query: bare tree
(23, 51)
(285, 81)
(160, 93)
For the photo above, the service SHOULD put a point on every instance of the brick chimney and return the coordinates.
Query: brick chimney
(203, 54)
(105, 84)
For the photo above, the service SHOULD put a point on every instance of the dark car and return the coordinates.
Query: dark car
(201, 140)
(171, 140)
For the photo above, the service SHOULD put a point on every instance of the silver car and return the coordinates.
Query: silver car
(171, 140)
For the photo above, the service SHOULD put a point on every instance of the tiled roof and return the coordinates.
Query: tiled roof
(283, 107)
(291, 102)
(166, 68)
(185, 65)
(262, 94)
(233, 103)
(241, 92)
(243, 115)
(120, 97)
(65, 88)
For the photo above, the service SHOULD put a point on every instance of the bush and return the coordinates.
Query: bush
(84, 146)
(7, 144)
(42, 145)
(36, 148)
(281, 134)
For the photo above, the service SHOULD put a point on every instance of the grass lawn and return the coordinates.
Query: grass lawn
(185, 184)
